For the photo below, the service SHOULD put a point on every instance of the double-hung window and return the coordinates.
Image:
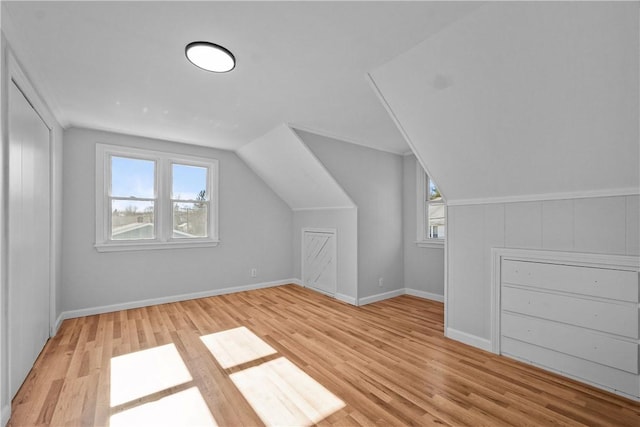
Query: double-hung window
(431, 213)
(154, 200)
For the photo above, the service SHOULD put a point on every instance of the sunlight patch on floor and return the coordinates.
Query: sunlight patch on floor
(236, 346)
(186, 408)
(145, 372)
(284, 395)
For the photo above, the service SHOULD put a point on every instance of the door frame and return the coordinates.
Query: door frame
(334, 233)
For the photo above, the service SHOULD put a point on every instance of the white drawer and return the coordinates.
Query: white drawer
(599, 282)
(571, 340)
(602, 315)
(594, 373)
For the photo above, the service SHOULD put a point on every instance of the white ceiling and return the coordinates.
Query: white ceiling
(120, 65)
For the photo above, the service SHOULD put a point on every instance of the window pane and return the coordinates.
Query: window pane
(132, 220)
(190, 219)
(132, 177)
(436, 221)
(189, 182)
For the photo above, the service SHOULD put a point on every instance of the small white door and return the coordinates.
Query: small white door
(319, 260)
(28, 237)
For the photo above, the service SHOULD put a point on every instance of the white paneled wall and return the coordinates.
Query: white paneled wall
(523, 225)
(607, 225)
(557, 225)
(600, 225)
(633, 225)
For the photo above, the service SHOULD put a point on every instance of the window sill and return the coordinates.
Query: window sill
(147, 246)
(433, 243)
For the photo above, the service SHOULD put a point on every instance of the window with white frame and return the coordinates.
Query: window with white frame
(435, 218)
(152, 200)
(431, 213)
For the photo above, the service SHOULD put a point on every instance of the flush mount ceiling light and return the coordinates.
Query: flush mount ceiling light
(210, 57)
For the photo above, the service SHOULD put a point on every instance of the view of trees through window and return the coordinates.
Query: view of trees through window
(190, 201)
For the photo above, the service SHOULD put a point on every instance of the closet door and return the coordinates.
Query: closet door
(319, 260)
(28, 234)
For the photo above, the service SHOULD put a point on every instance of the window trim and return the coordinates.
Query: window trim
(163, 186)
(422, 240)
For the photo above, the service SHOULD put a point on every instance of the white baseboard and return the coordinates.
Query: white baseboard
(163, 300)
(339, 297)
(424, 294)
(380, 297)
(472, 340)
(5, 415)
(395, 293)
(57, 325)
(346, 298)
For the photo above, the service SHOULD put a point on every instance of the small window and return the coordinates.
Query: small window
(434, 215)
(431, 212)
(154, 200)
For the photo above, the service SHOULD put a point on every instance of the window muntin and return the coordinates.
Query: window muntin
(154, 200)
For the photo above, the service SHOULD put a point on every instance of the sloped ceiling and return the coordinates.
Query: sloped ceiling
(285, 163)
(120, 65)
(523, 99)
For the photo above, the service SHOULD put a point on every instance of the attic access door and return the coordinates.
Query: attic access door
(319, 267)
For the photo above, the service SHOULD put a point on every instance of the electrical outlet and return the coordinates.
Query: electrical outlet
(254, 272)
(380, 282)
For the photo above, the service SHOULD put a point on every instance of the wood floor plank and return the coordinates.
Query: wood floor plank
(388, 362)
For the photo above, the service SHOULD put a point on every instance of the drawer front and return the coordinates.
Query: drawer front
(598, 282)
(574, 341)
(604, 376)
(602, 315)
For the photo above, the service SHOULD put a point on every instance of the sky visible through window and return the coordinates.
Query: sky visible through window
(132, 177)
(188, 181)
(135, 178)
(433, 190)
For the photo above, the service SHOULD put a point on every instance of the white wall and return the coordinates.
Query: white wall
(607, 225)
(423, 267)
(292, 171)
(373, 180)
(524, 98)
(255, 232)
(345, 222)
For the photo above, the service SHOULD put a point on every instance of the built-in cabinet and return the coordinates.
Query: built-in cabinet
(578, 318)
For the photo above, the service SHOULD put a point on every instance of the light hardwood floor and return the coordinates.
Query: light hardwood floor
(303, 357)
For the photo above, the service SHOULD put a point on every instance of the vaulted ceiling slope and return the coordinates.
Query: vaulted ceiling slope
(121, 66)
(523, 100)
(287, 165)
